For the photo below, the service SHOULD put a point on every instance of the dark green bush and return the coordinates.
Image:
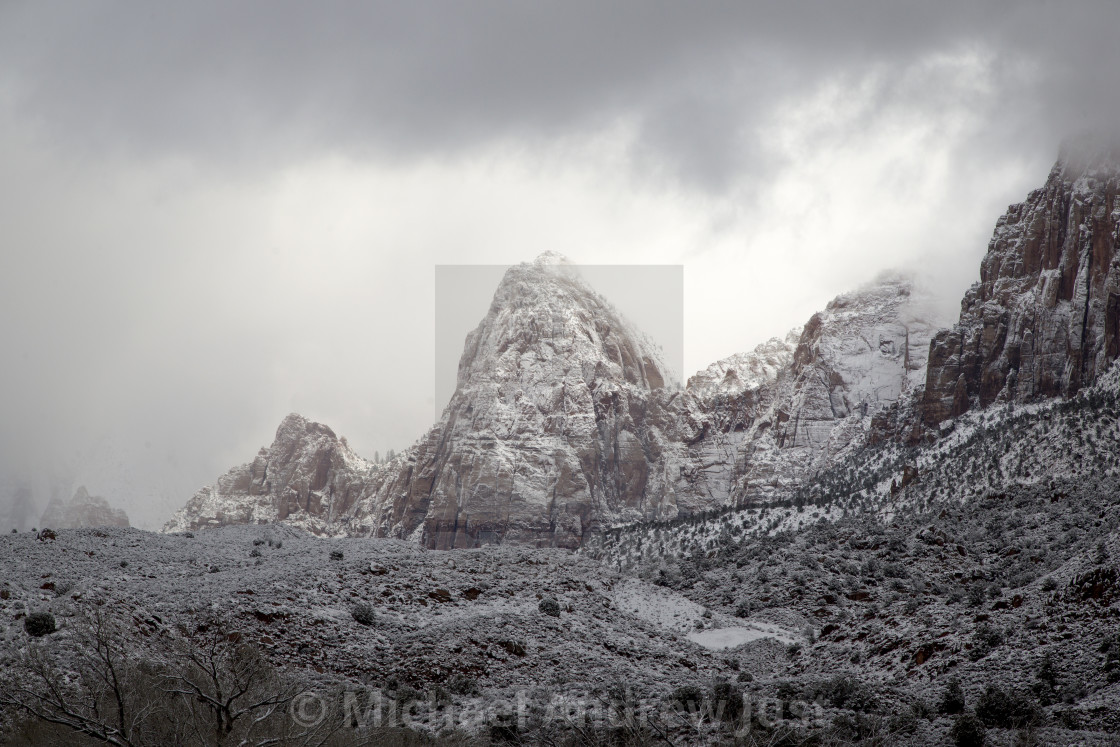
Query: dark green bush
(1006, 709)
(688, 697)
(336, 554)
(463, 684)
(1110, 647)
(727, 701)
(842, 692)
(362, 613)
(39, 624)
(549, 606)
(967, 731)
(952, 700)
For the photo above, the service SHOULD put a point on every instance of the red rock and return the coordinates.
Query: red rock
(1044, 320)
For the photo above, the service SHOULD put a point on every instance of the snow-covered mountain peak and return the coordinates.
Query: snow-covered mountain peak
(552, 258)
(83, 510)
(1088, 154)
(547, 327)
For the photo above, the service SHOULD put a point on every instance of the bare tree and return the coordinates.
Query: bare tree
(102, 691)
(227, 684)
(205, 687)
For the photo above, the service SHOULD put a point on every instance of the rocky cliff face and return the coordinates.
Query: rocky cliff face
(564, 422)
(308, 476)
(854, 360)
(83, 510)
(723, 403)
(1044, 320)
(563, 419)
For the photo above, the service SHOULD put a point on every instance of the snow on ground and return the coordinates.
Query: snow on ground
(658, 606)
(437, 614)
(670, 611)
(721, 638)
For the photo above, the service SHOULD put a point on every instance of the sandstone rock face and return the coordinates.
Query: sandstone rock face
(723, 404)
(83, 510)
(1044, 320)
(308, 475)
(563, 420)
(865, 352)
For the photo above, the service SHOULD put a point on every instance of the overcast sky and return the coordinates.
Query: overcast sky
(214, 214)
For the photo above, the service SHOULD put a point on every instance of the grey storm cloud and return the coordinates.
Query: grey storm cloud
(399, 80)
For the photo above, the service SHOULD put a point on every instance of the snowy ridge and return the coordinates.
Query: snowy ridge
(735, 374)
(564, 421)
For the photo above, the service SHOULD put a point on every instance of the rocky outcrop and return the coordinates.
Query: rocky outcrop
(1044, 320)
(308, 476)
(722, 405)
(564, 419)
(853, 362)
(83, 510)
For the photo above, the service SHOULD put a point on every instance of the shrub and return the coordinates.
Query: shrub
(362, 613)
(967, 731)
(463, 684)
(1046, 686)
(124, 564)
(254, 553)
(727, 701)
(39, 624)
(975, 595)
(1004, 709)
(549, 606)
(842, 692)
(1049, 584)
(1111, 650)
(688, 697)
(336, 554)
(258, 542)
(952, 700)
(984, 640)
